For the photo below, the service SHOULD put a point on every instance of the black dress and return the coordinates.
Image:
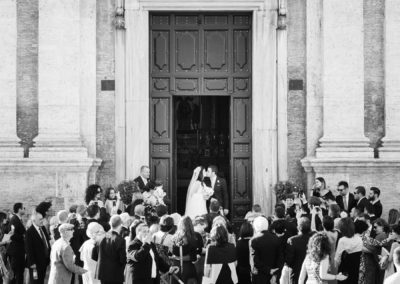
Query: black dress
(224, 255)
(350, 265)
(243, 261)
(189, 255)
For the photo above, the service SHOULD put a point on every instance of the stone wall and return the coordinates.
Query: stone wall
(105, 117)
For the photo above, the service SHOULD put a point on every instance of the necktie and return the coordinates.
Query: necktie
(44, 240)
(345, 202)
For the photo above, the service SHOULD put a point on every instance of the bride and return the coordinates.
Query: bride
(197, 194)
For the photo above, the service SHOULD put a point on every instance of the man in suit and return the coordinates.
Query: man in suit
(144, 262)
(219, 186)
(143, 178)
(374, 194)
(214, 212)
(110, 255)
(279, 217)
(37, 244)
(296, 249)
(16, 249)
(264, 252)
(362, 201)
(345, 199)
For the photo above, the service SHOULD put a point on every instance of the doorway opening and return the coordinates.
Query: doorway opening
(202, 138)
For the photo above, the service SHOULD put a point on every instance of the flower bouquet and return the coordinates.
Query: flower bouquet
(207, 192)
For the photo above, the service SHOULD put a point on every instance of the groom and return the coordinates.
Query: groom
(218, 184)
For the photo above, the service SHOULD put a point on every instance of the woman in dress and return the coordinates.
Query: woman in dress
(316, 264)
(195, 198)
(220, 258)
(348, 252)
(95, 232)
(242, 253)
(395, 237)
(185, 248)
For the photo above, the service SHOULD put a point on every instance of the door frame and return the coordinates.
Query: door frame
(269, 93)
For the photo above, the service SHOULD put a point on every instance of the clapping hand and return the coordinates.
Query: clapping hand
(173, 270)
(341, 277)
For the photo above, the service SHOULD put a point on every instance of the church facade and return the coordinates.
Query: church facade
(268, 90)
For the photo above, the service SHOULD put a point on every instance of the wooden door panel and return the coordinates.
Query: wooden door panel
(241, 54)
(241, 118)
(216, 50)
(187, 51)
(162, 116)
(161, 168)
(160, 54)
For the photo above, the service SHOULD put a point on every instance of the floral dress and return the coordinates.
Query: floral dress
(367, 263)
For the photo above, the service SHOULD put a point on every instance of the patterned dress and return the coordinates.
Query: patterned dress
(312, 268)
(368, 267)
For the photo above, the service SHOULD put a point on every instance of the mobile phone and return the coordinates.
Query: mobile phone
(114, 203)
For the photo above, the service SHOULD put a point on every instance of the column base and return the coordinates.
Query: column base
(390, 149)
(344, 149)
(11, 152)
(33, 180)
(10, 149)
(58, 148)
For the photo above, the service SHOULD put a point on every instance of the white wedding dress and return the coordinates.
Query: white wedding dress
(195, 202)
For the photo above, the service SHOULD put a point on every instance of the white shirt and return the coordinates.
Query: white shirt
(213, 180)
(153, 265)
(393, 279)
(144, 180)
(350, 245)
(346, 200)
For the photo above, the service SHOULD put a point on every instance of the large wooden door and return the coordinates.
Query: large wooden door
(206, 54)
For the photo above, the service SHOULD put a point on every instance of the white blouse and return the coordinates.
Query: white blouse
(350, 245)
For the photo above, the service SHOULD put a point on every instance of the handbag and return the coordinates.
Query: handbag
(207, 271)
(5, 270)
(162, 250)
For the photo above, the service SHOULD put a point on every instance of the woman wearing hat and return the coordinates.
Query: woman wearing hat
(62, 258)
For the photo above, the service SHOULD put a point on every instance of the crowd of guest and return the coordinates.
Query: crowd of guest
(320, 239)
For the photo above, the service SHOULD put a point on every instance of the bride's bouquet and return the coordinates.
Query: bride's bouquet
(207, 189)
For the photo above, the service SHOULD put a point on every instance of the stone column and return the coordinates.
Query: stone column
(120, 116)
(282, 93)
(9, 146)
(264, 118)
(59, 81)
(137, 88)
(391, 142)
(343, 81)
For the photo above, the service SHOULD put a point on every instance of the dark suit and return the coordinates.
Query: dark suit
(37, 252)
(111, 258)
(350, 203)
(140, 182)
(221, 192)
(265, 252)
(296, 251)
(140, 263)
(362, 203)
(377, 208)
(16, 249)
